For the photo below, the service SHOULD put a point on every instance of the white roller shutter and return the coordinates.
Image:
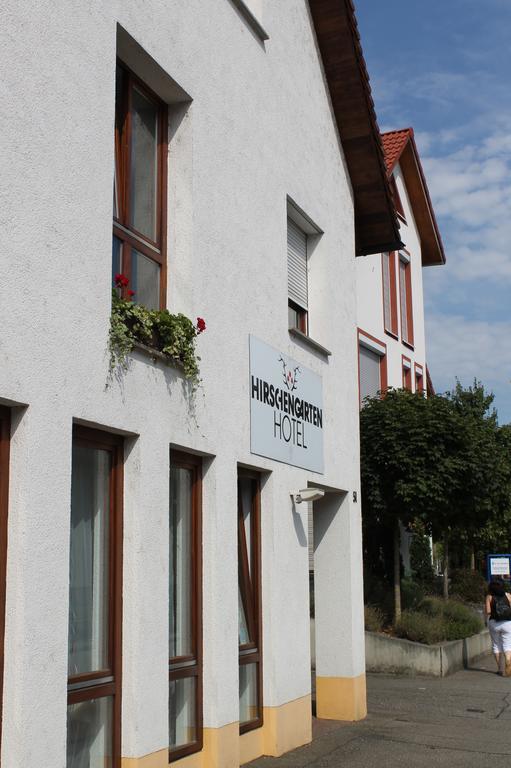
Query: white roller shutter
(370, 381)
(297, 264)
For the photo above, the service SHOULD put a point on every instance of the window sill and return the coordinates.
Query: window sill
(392, 334)
(251, 20)
(156, 355)
(407, 344)
(302, 337)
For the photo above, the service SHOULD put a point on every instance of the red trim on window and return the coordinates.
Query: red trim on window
(407, 372)
(419, 377)
(383, 360)
(394, 328)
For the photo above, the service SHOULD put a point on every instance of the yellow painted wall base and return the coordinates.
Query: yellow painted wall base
(158, 759)
(284, 728)
(341, 698)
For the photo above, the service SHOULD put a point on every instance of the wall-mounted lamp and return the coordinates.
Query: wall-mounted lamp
(308, 494)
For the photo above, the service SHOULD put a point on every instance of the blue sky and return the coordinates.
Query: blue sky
(444, 67)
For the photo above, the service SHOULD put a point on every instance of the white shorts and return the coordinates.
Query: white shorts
(500, 633)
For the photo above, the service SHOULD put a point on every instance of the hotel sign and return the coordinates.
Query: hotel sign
(286, 408)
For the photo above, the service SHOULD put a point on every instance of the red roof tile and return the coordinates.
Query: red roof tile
(393, 144)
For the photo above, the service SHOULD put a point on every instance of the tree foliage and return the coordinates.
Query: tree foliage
(441, 460)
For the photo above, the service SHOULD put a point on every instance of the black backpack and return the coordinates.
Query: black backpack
(501, 608)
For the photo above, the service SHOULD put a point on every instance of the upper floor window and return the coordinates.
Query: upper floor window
(140, 177)
(407, 373)
(372, 366)
(389, 293)
(397, 199)
(297, 279)
(419, 378)
(405, 296)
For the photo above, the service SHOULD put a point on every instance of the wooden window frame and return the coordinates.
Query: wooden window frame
(398, 203)
(302, 316)
(251, 652)
(95, 438)
(156, 250)
(5, 439)
(407, 373)
(419, 377)
(394, 326)
(176, 669)
(406, 300)
(361, 335)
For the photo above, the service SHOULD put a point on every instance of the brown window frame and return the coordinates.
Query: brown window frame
(407, 372)
(302, 317)
(176, 669)
(252, 651)
(156, 250)
(419, 377)
(96, 438)
(406, 301)
(361, 335)
(5, 438)
(393, 329)
(397, 198)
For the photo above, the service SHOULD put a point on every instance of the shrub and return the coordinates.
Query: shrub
(420, 628)
(436, 620)
(412, 594)
(374, 618)
(468, 585)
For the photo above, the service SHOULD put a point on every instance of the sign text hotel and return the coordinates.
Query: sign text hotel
(286, 408)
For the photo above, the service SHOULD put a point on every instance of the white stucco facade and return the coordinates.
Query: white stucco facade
(234, 156)
(370, 312)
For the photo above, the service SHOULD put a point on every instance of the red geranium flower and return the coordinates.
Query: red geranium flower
(201, 325)
(121, 280)
(131, 293)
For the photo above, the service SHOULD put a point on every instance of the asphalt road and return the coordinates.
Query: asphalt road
(462, 721)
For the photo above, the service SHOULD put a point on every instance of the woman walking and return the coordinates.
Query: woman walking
(498, 613)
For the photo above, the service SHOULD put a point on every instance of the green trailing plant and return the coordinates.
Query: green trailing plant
(172, 335)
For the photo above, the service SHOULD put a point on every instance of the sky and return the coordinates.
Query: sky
(444, 68)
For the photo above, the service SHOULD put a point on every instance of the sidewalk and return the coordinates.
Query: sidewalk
(453, 722)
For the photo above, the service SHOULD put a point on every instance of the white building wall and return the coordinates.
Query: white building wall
(235, 154)
(370, 298)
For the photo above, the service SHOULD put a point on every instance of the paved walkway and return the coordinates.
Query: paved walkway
(461, 721)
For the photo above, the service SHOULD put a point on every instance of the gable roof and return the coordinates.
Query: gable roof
(400, 147)
(376, 223)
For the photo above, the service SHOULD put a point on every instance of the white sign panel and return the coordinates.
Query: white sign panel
(286, 408)
(499, 566)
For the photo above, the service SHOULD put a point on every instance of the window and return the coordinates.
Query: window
(372, 364)
(297, 283)
(405, 296)
(140, 189)
(249, 576)
(185, 606)
(389, 293)
(397, 199)
(95, 591)
(407, 372)
(419, 378)
(5, 431)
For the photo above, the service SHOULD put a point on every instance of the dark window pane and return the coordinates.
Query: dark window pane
(89, 734)
(144, 166)
(145, 280)
(182, 712)
(180, 588)
(89, 561)
(116, 257)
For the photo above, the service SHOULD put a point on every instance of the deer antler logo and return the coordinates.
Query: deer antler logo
(290, 377)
